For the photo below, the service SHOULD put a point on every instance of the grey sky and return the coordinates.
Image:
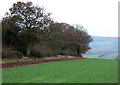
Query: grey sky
(99, 17)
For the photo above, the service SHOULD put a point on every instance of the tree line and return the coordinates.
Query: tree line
(29, 30)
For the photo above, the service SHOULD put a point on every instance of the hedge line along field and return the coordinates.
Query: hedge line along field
(75, 71)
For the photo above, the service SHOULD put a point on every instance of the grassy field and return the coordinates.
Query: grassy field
(75, 71)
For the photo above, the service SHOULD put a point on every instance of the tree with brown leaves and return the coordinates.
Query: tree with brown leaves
(31, 20)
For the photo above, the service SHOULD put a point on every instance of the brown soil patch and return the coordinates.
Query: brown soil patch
(19, 64)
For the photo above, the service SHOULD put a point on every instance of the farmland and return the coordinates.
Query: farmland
(75, 71)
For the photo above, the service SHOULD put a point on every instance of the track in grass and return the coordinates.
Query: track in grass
(75, 71)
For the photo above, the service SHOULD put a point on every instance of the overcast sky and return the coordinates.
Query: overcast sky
(99, 17)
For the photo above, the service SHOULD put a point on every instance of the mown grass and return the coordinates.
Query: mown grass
(75, 71)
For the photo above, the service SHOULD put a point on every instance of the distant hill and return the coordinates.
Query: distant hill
(104, 44)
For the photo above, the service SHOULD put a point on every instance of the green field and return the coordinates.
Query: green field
(75, 71)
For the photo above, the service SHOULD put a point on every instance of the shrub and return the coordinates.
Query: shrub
(62, 53)
(42, 51)
(35, 51)
(66, 52)
(10, 53)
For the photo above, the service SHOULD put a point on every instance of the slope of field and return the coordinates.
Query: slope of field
(75, 71)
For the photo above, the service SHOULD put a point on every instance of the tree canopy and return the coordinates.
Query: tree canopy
(30, 20)
(29, 27)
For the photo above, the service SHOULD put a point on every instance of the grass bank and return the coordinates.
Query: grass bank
(75, 71)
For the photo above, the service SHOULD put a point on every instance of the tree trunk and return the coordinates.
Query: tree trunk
(28, 50)
(78, 52)
(80, 55)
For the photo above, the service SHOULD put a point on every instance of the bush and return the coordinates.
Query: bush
(42, 51)
(35, 51)
(62, 53)
(10, 53)
(66, 52)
